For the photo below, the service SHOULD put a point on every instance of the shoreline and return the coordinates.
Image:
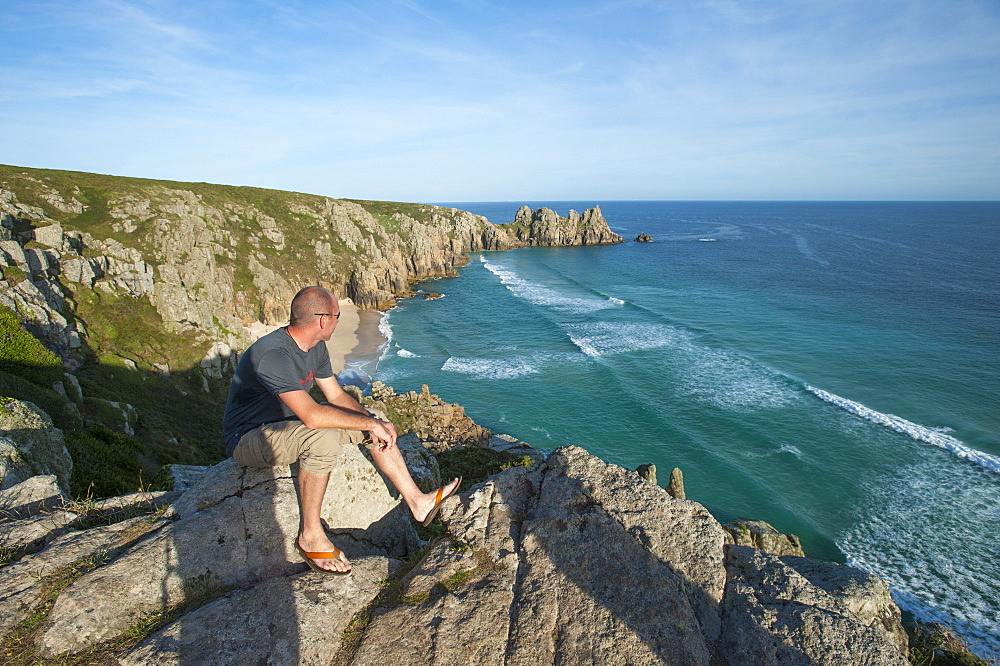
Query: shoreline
(356, 346)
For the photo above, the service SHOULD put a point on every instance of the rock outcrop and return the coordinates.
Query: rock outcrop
(643, 238)
(570, 560)
(438, 424)
(765, 537)
(578, 561)
(545, 227)
(31, 445)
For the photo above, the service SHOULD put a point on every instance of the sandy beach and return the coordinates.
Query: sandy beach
(356, 344)
(345, 337)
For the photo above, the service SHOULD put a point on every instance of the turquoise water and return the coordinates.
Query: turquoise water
(831, 368)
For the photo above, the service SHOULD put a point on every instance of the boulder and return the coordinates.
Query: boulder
(30, 497)
(648, 472)
(774, 615)
(286, 620)
(643, 238)
(32, 446)
(235, 527)
(29, 535)
(758, 534)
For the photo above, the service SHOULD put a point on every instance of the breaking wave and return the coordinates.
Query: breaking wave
(539, 294)
(935, 436)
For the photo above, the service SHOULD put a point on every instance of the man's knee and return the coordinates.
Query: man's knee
(323, 447)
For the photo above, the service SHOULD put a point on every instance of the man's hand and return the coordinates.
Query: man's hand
(383, 433)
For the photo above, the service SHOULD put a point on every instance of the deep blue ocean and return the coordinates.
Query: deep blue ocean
(831, 368)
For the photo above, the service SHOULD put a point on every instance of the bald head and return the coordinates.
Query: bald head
(310, 302)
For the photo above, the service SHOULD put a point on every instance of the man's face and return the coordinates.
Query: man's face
(328, 323)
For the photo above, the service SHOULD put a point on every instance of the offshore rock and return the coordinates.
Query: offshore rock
(643, 238)
(545, 227)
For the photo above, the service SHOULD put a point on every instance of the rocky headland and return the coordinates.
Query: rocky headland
(139, 293)
(123, 306)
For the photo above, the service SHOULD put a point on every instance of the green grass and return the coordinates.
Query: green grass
(23, 355)
(475, 464)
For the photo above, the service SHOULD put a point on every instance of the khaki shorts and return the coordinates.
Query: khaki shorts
(285, 442)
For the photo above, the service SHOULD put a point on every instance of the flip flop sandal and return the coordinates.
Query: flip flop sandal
(437, 502)
(309, 557)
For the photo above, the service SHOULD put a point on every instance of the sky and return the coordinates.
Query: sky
(470, 100)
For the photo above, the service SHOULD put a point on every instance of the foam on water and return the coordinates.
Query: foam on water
(490, 368)
(712, 375)
(729, 380)
(607, 338)
(935, 436)
(402, 353)
(385, 328)
(506, 367)
(922, 532)
(541, 295)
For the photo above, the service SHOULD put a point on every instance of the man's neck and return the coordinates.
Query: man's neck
(302, 338)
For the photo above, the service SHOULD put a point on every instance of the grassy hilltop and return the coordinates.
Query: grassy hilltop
(124, 301)
(148, 349)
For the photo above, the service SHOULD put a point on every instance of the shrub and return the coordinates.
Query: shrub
(105, 462)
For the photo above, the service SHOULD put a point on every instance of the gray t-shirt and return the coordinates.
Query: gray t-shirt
(272, 365)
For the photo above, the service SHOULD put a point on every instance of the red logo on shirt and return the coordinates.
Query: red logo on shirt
(308, 378)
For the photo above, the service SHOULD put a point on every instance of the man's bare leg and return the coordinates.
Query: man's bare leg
(390, 462)
(312, 536)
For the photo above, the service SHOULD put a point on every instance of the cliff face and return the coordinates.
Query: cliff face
(213, 260)
(146, 290)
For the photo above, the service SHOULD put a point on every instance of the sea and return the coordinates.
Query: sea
(832, 368)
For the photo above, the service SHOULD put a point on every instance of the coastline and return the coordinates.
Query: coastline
(356, 346)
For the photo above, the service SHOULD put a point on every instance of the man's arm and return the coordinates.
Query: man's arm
(338, 397)
(314, 415)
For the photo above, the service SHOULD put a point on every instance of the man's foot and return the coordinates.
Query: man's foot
(431, 502)
(325, 558)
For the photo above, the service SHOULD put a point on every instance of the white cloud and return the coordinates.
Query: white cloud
(457, 101)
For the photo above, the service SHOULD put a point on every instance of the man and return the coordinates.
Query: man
(272, 420)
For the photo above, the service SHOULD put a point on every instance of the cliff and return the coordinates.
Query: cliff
(145, 290)
(558, 559)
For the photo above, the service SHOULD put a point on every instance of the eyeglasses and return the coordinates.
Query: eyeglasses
(326, 314)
